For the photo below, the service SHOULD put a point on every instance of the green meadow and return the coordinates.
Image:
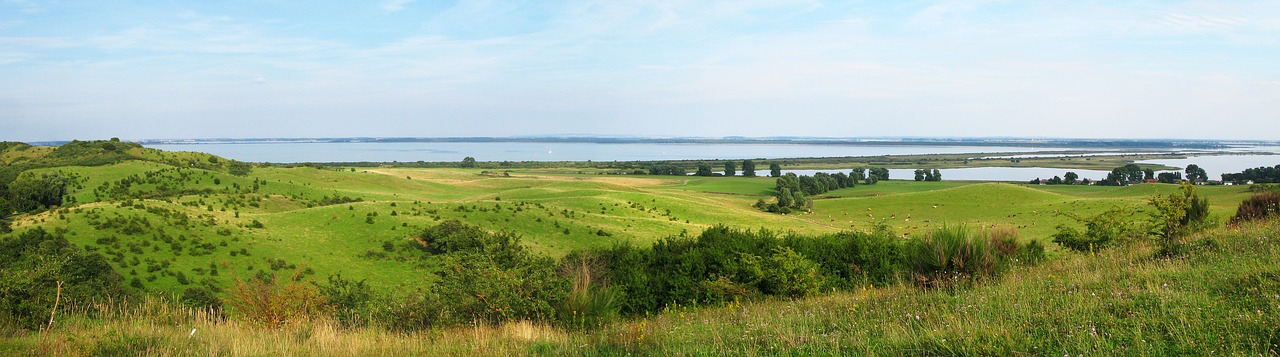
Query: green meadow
(167, 222)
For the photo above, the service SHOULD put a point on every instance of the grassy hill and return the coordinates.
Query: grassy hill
(1218, 297)
(170, 220)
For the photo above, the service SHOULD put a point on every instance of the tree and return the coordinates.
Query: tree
(1169, 177)
(1149, 174)
(880, 173)
(748, 168)
(858, 174)
(1196, 174)
(1070, 178)
(1176, 215)
(703, 170)
(785, 198)
(775, 170)
(937, 175)
(729, 168)
(919, 175)
(36, 192)
(468, 162)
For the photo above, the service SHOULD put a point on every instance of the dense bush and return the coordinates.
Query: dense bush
(1114, 226)
(1261, 206)
(490, 277)
(32, 264)
(949, 256)
(273, 303)
(723, 265)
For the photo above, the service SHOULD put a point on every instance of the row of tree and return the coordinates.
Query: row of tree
(927, 175)
(1070, 178)
(1262, 174)
(792, 192)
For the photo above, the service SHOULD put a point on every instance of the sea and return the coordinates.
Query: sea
(1215, 162)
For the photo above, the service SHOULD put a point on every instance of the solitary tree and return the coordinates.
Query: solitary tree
(729, 169)
(748, 168)
(1195, 173)
(468, 162)
(703, 170)
(775, 170)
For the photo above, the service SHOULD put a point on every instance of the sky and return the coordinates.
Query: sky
(758, 68)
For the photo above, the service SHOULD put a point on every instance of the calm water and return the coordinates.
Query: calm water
(410, 152)
(1020, 174)
(1217, 165)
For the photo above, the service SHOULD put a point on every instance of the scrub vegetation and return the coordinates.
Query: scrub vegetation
(145, 251)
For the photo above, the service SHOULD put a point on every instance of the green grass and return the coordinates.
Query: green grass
(1219, 297)
(540, 205)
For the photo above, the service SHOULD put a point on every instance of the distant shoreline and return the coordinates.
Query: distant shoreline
(876, 141)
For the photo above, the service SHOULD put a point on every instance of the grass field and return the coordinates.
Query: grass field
(181, 220)
(555, 212)
(1219, 297)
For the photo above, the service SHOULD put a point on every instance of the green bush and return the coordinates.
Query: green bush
(1115, 226)
(950, 255)
(591, 301)
(352, 302)
(32, 264)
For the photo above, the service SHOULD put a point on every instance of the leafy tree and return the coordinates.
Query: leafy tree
(729, 168)
(35, 192)
(880, 173)
(937, 175)
(1149, 174)
(1169, 177)
(468, 162)
(239, 168)
(1070, 178)
(703, 170)
(748, 168)
(919, 175)
(1195, 173)
(1177, 214)
(775, 170)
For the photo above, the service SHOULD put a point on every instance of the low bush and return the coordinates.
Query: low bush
(1261, 206)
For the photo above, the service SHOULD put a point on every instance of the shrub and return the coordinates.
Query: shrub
(948, 256)
(1114, 226)
(789, 274)
(201, 298)
(479, 288)
(32, 264)
(1261, 206)
(272, 303)
(351, 301)
(591, 300)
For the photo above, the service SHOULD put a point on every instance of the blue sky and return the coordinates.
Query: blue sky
(174, 69)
